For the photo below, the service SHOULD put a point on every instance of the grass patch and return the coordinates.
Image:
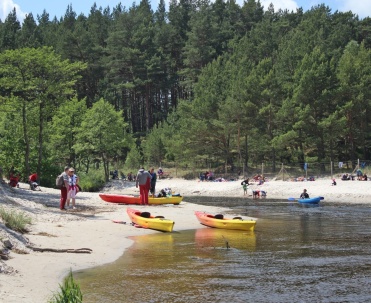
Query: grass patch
(69, 292)
(15, 220)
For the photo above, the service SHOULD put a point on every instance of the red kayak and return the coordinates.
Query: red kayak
(128, 199)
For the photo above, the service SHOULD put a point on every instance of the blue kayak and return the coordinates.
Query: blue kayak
(313, 200)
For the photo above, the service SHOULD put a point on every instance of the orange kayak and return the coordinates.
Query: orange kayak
(128, 199)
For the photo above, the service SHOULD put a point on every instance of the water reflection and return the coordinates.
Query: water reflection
(223, 238)
(296, 254)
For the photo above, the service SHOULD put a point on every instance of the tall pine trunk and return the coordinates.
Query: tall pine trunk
(26, 139)
(40, 149)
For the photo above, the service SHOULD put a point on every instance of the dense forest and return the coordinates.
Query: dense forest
(202, 83)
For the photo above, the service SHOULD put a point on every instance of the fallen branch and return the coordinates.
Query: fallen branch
(76, 251)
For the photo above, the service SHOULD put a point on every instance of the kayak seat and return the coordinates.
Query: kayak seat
(219, 216)
(237, 218)
(160, 217)
(145, 214)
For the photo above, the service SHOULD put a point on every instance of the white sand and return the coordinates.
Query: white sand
(38, 274)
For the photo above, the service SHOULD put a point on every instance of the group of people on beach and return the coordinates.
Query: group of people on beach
(207, 176)
(14, 178)
(256, 193)
(146, 181)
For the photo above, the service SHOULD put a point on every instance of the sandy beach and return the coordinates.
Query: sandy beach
(34, 276)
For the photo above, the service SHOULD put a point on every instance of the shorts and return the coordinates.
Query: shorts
(71, 194)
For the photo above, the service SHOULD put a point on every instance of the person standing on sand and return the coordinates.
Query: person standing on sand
(73, 180)
(244, 186)
(64, 189)
(153, 181)
(143, 179)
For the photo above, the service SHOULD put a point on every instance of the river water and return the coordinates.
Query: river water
(296, 254)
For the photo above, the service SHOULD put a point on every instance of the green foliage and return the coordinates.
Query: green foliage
(33, 82)
(92, 181)
(153, 147)
(63, 130)
(134, 159)
(15, 220)
(102, 134)
(202, 82)
(69, 292)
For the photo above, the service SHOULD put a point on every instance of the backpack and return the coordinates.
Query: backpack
(59, 182)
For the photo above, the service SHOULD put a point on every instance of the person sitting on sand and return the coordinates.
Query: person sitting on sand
(256, 194)
(359, 174)
(333, 182)
(32, 180)
(304, 195)
(130, 176)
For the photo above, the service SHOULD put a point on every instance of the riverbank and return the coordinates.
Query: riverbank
(35, 276)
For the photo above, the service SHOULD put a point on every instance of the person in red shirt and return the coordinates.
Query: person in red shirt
(33, 181)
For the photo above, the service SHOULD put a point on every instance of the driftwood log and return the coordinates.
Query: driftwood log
(68, 250)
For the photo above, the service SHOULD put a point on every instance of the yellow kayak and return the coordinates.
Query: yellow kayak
(146, 220)
(218, 221)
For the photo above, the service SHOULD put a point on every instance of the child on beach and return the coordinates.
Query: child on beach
(244, 186)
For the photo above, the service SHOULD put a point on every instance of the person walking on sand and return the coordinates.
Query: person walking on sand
(153, 181)
(73, 180)
(143, 179)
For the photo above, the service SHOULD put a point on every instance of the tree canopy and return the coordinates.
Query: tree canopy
(203, 81)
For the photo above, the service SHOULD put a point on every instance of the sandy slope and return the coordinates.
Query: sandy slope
(37, 275)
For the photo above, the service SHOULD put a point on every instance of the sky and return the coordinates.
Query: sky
(362, 8)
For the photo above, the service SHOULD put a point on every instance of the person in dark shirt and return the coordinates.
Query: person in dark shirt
(304, 195)
(153, 174)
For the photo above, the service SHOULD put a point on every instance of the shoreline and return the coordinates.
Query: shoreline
(38, 274)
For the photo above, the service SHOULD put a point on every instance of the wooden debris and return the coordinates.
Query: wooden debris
(68, 250)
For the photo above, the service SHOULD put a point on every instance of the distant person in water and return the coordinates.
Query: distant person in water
(304, 195)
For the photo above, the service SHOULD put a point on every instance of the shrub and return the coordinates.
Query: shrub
(92, 181)
(69, 292)
(15, 220)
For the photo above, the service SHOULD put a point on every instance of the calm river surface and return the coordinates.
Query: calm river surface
(296, 254)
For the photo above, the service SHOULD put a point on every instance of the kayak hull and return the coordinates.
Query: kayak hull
(151, 222)
(226, 223)
(314, 200)
(135, 200)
